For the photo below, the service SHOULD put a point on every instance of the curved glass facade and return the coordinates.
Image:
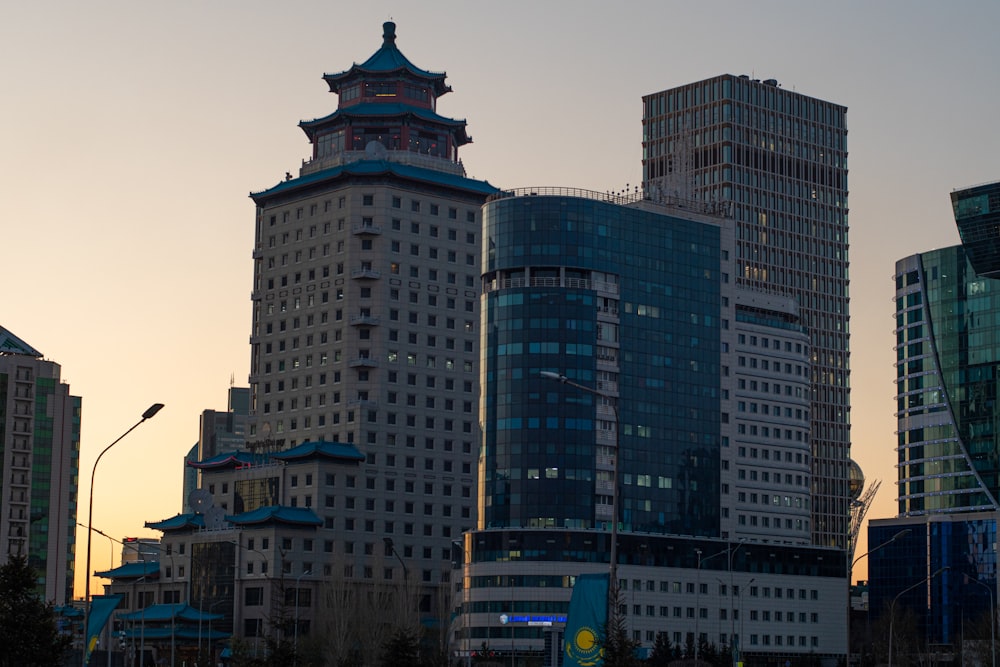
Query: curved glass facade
(625, 301)
(948, 353)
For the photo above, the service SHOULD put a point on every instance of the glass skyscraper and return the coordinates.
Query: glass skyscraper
(777, 160)
(624, 299)
(948, 357)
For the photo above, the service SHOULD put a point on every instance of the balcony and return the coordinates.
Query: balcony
(366, 229)
(364, 321)
(365, 273)
(363, 362)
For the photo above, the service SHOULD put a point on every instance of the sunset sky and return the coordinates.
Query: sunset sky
(131, 134)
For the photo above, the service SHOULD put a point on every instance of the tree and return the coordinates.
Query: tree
(29, 635)
(400, 650)
(619, 648)
(663, 652)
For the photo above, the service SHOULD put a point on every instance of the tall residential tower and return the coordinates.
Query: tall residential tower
(40, 461)
(778, 160)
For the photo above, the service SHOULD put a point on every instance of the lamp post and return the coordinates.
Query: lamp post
(613, 566)
(391, 548)
(850, 569)
(295, 639)
(993, 641)
(892, 606)
(745, 587)
(697, 596)
(735, 650)
(148, 414)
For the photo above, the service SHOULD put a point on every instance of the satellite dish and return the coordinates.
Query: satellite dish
(215, 518)
(375, 151)
(200, 500)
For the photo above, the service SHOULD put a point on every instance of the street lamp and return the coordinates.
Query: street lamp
(902, 533)
(613, 567)
(892, 606)
(148, 414)
(993, 641)
(697, 596)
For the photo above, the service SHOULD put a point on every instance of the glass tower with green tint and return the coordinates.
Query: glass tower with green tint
(39, 459)
(948, 364)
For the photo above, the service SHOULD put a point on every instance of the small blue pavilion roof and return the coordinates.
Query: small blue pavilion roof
(277, 514)
(320, 449)
(186, 521)
(386, 60)
(134, 570)
(226, 460)
(379, 168)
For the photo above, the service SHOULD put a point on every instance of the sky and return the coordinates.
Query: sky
(131, 134)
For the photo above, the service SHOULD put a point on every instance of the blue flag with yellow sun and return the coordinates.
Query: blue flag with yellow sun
(588, 613)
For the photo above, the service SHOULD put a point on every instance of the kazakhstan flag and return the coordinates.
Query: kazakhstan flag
(588, 614)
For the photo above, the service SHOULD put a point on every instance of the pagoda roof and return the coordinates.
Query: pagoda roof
(320, 449)
(226, 460)
(369, 110)
(302, 516)
(11, 344)
(164, 613)
(387, 60)
(135, 570)
(187, 521)
(380, 168)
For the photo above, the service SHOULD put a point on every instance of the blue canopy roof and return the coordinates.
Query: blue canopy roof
(157, 633)
(186, 521)
(226, 460)
(164, 613)
(388, 59)
(277, 514)
(134, 570)
(321, 448)
(380, 168)
(369, 110)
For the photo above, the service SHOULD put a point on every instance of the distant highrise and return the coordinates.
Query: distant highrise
(218, 432)
(777, 160)
(40, 450)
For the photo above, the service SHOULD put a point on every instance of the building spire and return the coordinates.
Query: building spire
(388, 33)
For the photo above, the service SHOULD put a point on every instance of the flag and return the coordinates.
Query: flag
(588, 614)
(101, 607)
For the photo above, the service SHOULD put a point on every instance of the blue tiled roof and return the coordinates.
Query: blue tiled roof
(179, 522)
(278, 514)
(226, 460)
(162, 613)
(369, 110)
(180, 632)
(132, 570)
(378, 168)
(322, 448)
(388, 59)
